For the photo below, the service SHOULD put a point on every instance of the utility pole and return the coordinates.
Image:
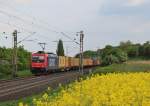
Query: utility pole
(81, 43)
(42, 46)
(81, 52)
(14, 53)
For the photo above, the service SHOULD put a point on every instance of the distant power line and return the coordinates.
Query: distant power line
(29, 22)
(33, 22)
(27, 14)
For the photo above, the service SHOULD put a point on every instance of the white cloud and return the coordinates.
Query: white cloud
(23, 1)
(141, 28)
(136, 2)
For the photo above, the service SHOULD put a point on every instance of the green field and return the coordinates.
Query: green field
(131, 66)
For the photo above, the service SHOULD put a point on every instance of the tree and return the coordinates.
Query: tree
(146, 47)
(60, 48)
(110, 59)
(110, 55)
(88, 54)
(23, 60)
(125, 45)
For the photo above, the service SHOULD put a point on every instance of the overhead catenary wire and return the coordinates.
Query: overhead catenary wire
(73, 40)
(62, 33)
(28, 15)
(26, 37)
(31, 22)
(15, 26)
(27, 21)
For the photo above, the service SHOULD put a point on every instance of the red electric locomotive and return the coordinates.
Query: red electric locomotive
(43, 62)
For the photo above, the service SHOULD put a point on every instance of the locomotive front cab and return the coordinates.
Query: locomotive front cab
(39, 63)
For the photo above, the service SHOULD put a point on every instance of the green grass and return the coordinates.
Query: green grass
(139, 58)
(15, 103)
(125, 67)
(24, 73)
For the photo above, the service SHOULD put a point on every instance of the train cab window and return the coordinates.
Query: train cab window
(38, 59)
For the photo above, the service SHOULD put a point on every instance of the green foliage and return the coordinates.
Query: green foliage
(125, 67)
(23, 58)
(146, 49)
(24, 73)
(136, 50)
(131, 49)
(88, 54)
(110, 59)
(60, 48)
(110, 55)
(124, 51)
(119, 54)
(6, 55)
(5, 70)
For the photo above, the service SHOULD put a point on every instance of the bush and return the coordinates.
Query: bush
(113, 55)
(110, 59)
(5, 69)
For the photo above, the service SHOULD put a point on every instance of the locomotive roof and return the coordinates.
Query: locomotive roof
(42, 52)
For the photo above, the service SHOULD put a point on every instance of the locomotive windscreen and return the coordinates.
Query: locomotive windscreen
(38, 59)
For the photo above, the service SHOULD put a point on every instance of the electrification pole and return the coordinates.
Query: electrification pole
(81, 52)
(81, 40)
(14, 53)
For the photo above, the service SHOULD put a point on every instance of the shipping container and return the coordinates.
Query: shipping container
(67, 62)
(61, 62)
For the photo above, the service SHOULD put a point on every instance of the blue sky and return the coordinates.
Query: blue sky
(103, 22)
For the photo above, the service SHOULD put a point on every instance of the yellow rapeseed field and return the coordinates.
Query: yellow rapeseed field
(124, 89)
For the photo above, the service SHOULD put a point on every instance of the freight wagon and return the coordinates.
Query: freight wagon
(49, 62)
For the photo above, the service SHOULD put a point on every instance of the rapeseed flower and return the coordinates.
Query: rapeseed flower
(122, 89)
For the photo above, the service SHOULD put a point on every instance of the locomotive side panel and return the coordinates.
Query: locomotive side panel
(69, 62)
(77, 62)
(52, 62)
(67, 65)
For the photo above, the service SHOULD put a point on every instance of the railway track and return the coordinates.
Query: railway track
(16, 79)
(19, 88)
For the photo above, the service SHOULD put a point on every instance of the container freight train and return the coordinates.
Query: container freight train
(49, 62)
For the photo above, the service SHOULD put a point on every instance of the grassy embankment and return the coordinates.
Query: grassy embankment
(131, 66)
(25, 73)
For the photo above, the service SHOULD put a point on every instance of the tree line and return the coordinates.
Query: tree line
(119, 54)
